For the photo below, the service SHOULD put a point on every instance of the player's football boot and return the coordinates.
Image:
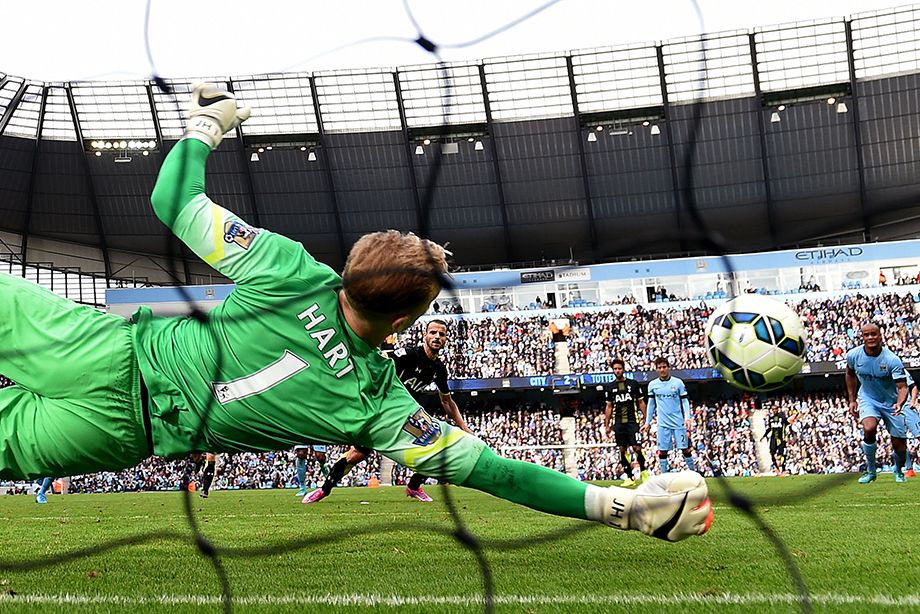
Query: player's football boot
(41, 499)
(899, 477)
(418, 495)
(628, 483)
(644, 476)
(910, 473)
(671, 507)
(315, 497)
(302, 492)
(203, 494)
(867, 477)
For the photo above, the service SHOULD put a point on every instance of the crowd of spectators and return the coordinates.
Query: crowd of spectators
(638, 336)
(907, 280)
(521, 424)
(821, 437)
(243, 471)
(626, 299)
(833, 325)
(491, 347)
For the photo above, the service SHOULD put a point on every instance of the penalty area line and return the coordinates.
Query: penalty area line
(378, 600)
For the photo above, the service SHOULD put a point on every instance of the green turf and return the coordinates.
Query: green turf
(856, 546)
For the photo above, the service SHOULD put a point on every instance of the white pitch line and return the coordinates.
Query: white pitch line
(413, 514)
(378, 600)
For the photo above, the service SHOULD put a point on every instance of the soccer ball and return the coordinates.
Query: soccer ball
(757, 343)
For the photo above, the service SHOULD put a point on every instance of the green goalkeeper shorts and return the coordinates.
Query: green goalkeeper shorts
(76, 405)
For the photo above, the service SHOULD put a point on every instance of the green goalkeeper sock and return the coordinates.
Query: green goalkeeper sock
(528, 484)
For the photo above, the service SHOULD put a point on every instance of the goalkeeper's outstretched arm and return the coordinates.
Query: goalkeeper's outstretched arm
(212, 113)
(219, 237)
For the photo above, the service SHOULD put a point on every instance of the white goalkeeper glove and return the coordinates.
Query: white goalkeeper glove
(672, 507)
(212, 113)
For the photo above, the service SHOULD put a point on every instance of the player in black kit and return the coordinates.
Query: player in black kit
(625, 401)
(776, 431)
(416, 368)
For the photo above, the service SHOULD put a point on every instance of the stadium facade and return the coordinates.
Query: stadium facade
(805, 135)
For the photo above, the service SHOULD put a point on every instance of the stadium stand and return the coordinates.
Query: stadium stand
(821, 438)
(485, 347)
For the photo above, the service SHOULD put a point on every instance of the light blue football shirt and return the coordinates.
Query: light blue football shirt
(668, 398)
(877, 375)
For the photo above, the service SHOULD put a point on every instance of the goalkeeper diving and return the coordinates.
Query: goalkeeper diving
(289, 356)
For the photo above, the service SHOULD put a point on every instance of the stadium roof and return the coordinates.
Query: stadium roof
(544, 156)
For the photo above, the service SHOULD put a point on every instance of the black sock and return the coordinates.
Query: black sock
(207, 477)
(416, 481)
(335, 474)
(640, 456)
(624, 461)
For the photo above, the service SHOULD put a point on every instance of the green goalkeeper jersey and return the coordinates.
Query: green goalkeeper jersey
(275, 364)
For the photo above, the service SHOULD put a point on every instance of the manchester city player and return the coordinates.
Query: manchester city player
(290, 356)
(881, 381)
(667, 397)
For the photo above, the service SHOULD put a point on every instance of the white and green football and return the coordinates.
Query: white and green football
(758, 344)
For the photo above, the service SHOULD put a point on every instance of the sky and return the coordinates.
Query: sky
(69, 40)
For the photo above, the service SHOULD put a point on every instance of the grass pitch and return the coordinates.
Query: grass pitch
(373, 550)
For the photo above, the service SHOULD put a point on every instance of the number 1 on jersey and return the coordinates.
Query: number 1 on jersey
(285, 367)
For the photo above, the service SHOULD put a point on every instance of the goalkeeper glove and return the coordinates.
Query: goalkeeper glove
(212, 113)
(671, 507)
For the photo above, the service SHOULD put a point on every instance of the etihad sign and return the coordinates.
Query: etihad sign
(829, 253)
